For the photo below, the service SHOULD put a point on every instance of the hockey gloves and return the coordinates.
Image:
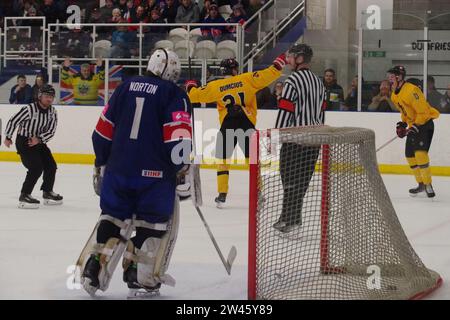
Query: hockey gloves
(401, 129)
(97, 179)
(280, 62)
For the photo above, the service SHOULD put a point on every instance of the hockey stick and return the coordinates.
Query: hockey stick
(387, 143)
(233, 252)
(231, 255)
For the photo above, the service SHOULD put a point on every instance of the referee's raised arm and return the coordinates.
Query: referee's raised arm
(303, 97)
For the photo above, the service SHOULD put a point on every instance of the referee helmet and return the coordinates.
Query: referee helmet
(46, 89)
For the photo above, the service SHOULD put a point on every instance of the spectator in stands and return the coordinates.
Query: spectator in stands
(106, 11)
(232, 3)
(96, 16)
(277, 91)
(155, 33)
(188, 12)
(334, 94)
(382, 102)
(205, 10)
(150, 5)
(50, 11)
(351, 101)
(76, 43)
(85, 84)
(116, 16)
(169, 11)
(26, 5)
(39, 82)
(21, 93)
(122, 6)
(131, 11)
(238, 16)
(264, 99)
(445, 101)
(434, 97)
(139, 17)
(121, 41)
(17, 8)
(213, 33)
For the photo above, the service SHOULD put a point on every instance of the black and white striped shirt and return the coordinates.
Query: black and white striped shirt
(33, 121)
(302, 101)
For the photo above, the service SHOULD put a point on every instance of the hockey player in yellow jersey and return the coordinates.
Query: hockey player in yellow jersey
(417, 125)
(85, 84)
(235, 96)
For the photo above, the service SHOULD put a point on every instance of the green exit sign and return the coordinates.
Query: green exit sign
(374, 54)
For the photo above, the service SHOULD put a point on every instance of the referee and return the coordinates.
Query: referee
(36, 124)
(301, 104)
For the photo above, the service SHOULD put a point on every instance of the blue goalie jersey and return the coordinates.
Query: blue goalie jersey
(145, 129)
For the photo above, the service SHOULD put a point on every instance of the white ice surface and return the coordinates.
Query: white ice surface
(38, 246)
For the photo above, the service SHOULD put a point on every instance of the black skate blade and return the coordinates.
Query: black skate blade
(25, 205)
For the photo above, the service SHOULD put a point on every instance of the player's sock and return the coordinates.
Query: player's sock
(223, 175)
(423, 161)
(416, 170)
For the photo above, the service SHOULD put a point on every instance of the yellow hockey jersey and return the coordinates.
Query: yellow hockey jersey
(85, 91)
(413, 106)
(239, 90)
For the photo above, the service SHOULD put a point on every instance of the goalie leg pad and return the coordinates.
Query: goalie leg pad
(152, 258)
(111, 236)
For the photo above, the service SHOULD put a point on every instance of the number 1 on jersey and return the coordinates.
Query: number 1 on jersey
(137, 118)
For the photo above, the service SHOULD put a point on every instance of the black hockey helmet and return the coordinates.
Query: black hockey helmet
(398, 71)
(301, 49)
(227, 66)
(46, 89)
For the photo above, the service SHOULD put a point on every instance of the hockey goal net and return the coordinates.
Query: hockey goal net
(322, 225)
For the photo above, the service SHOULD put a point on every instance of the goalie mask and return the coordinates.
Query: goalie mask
(165, 64)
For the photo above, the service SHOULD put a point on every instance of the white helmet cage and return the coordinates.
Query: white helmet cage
(165, 64)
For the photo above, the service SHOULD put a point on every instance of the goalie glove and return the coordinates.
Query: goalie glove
(97, 179)
(183, 188)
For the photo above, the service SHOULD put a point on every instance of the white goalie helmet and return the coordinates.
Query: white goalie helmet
(165, 64)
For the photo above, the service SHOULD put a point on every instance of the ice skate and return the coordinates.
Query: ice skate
(26, 201)
(286, 227)
(430, 191)
(136, 290)
(89, 278)
(417, 191)
(220, 200)
(51, 198)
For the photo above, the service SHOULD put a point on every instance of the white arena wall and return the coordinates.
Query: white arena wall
(72, 142)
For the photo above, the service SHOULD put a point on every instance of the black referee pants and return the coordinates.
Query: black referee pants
(37, 160)
(297, 165)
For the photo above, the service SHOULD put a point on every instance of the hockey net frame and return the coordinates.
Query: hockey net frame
(406, 275)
